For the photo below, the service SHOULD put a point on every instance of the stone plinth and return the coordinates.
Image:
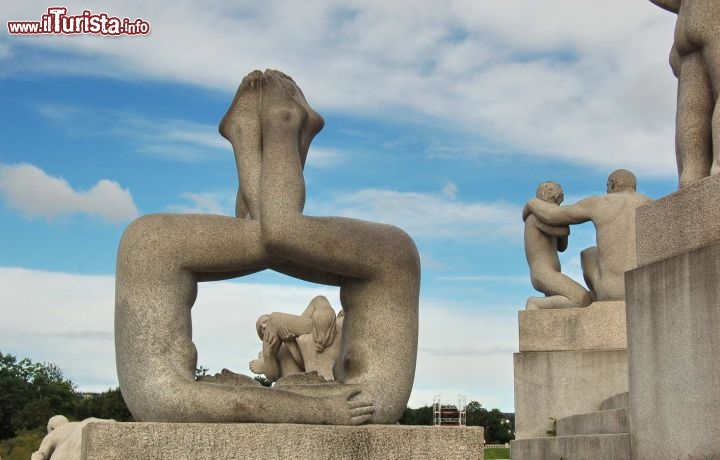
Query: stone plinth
(674, 339)
(207, 441)
(570, 360)
(680, 222)
(558, 384)
(600, 326)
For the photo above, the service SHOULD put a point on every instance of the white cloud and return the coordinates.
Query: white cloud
(568, 86)
(206, 203)
(34, 193)
(68, 320)
(428, 215)
(168, 138)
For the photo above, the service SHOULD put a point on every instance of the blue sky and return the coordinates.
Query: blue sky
(441, 117)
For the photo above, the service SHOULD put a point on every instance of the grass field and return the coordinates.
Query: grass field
(497, 453)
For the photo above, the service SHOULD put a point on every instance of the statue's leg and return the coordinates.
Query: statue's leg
(693, 135)
(241, 126)
(562, 291)
(378, 264)
(160, 259)
(590, 263)
(711, 53)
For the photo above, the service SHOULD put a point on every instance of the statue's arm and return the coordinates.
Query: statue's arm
(288, 339)
(552, 230)
(670, 5)
(562, 215)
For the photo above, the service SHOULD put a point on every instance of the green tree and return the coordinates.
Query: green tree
(109, 404)
(31, 393)
(420, 416)
(499, 427)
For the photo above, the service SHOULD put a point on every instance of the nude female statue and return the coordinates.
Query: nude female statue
(162, 257)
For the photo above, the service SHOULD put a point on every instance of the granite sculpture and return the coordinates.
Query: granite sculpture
(162, 257)
(294, 344)
(542, 243)
(695, 61)
(613, 215)
(64, 439)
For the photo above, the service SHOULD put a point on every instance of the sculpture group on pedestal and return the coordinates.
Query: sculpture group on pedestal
(162, 257)
(604, 265)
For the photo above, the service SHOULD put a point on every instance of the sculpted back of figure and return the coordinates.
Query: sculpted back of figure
(695, 61)
(542, 243)
(613, 215)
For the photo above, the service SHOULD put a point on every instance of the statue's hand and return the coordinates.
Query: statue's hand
(270, 337)
(284, 334)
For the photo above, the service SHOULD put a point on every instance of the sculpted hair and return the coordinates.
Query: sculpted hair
(622, 179)
(548, 191)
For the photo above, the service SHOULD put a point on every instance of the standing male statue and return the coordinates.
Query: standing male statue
(542, 243)
(695, 61)
(613, 215)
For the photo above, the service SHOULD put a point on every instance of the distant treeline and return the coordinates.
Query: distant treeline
(499, 426)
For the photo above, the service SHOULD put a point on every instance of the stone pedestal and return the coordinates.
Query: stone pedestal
(674, 327)
(219, 441)
(570, 360)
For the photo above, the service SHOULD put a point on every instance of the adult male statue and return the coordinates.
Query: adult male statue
(542, 243)
(695, 61)
(162, 257)
(613, 215)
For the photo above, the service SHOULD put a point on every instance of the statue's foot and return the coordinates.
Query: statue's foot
(257, 366)
(715, 169)
(244, 112)
(283, 98)
(532, 303)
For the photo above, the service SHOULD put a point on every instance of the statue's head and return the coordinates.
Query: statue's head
(550, 192)
(261, 324)
(56, 421)
(621, 180)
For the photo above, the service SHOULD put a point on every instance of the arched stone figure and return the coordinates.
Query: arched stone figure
(162, 257)
(695, 61)
(542, 243)
(613, 215)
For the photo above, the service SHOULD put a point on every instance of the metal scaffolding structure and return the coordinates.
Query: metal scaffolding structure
(449, 414)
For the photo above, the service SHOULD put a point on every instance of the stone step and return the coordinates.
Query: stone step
(601, 422)
(589, 447)
(619, 401)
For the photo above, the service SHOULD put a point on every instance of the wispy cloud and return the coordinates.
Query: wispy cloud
(205, 203)
(428, 215)
(31, 191)
(568, 87)
(168, 138)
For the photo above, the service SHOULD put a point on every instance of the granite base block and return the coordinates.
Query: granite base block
(222, 441)
(599, 326)
(673, 309)
(555, 384)
(680, 222)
